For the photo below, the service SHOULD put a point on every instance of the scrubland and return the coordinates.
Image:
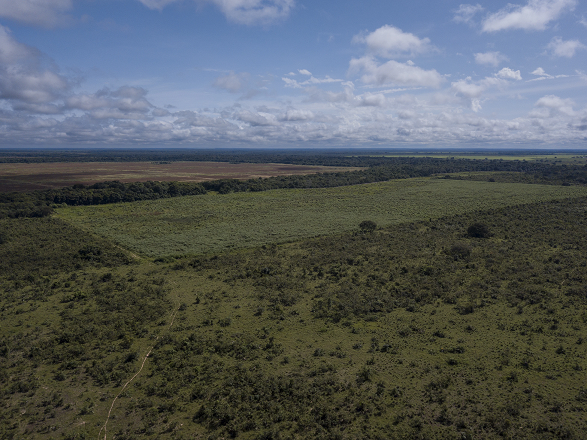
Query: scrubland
(273, 315)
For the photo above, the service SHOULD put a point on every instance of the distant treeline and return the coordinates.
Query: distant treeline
(41, 203)
(350, 158)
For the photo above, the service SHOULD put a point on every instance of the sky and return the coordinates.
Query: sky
(293, 73)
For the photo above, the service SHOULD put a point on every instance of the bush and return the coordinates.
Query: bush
(367, 226)
(460, 251)
(478, 230)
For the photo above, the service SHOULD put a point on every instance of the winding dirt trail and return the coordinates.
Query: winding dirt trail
(105, 426)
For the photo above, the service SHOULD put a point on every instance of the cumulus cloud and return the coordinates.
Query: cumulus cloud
(389, 42)
(393, 72)
(539, 72)
(45, 13)
(297, 115)
(256, 119)
(535, 15)
(566, 49)
(233, 82)
(507, 73)
(305, 72)
(556, 105)
(123, 103)
(465, 13)
(470, 91)
(490, 58)
(27, 79)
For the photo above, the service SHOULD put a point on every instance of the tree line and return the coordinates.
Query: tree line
(40, 203)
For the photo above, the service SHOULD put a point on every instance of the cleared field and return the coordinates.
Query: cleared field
(27, 177)
(214, 223)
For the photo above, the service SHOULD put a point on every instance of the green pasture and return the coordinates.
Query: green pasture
(213, 223)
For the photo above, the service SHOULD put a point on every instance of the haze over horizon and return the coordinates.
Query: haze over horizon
(290, 73)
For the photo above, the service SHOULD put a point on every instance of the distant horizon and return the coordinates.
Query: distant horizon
(362, 149)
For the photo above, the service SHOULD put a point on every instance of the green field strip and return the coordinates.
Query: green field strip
(213, 223)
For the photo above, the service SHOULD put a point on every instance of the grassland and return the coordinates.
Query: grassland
(413, 331)
(214, 223)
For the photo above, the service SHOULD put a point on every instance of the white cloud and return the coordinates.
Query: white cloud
(542, 75)
(535, 15)
(232, 82)
(539, 72)
(393, 72)
(305, 72)
(583, 21)
(465, 13)
(24, 79)
(490, 58)
(389, 41)
(292, 83)
(507, 73)
(556, 105)
(471, 91)
(297, 115)
(45, 13)
(123, 103)
(256, 119)
(468, 89)
(566, 49)
(253, 12)
(249, 12)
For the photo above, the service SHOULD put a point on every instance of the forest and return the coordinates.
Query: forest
(402, 320)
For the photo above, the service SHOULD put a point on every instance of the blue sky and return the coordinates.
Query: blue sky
(293, 73)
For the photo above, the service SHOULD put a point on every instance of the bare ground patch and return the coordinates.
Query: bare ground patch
(27, 177)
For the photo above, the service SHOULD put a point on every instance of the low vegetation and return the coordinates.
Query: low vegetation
(421, 329)
(214, 223)
(451, 306)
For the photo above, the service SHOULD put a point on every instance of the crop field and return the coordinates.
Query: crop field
(213, 223)
(32, 176)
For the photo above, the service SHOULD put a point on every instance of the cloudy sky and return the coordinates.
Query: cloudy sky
(293, 73)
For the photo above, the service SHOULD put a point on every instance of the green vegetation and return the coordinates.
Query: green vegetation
(378, 335)
(214, 223)
(426, 308)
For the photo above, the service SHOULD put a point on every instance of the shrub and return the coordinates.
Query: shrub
(460, 251)
(478, 230)
(367, 226)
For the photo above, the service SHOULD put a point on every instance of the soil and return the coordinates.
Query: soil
(38, 176)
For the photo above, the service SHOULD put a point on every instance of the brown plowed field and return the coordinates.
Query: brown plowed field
(27, 177)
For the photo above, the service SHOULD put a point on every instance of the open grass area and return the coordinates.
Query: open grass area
(214, 223)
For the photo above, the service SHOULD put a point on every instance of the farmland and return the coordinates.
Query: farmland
(214, 223)
(32, 176)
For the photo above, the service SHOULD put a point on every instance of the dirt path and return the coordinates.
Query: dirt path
(105, 426)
